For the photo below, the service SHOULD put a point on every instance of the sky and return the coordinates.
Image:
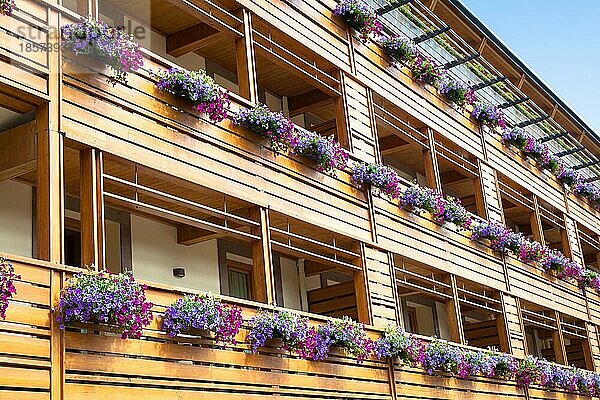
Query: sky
(558, 39)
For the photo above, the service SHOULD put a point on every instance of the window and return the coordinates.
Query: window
(240, 280)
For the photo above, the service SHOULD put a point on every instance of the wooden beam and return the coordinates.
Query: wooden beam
(432, 169)
(536, 222)
(558, 342)
(391, 144)
(188, 235)
(18, 151)
(342, 118)
(49, 214)
(191, 39)
(308, 101)
(92, 208)
(262, 258)
(457, 332)
(211, 15)
(246, 59)
(361, 287)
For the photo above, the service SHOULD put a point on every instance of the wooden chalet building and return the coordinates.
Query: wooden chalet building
(129, 178)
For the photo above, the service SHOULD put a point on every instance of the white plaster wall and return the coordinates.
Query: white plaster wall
(155, 252)
(16, 218)
(290, 283)
(443, 320)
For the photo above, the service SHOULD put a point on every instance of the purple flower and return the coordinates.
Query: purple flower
(7, 285)
(360, 17)
(416, 198)
(528, 372)
(99, 297)
(488, 115)
(589, 191)
(293, 330)
(516, 137)
(532, 252)
(399, 48)
(7, 7)
(197, 87)
(346, 334)
(425, 70)
(110, 45)
(326, 151)
(457, 92)
(203, 312)
(569, 176)
(395, 343)
(379, 176)
(278, 128)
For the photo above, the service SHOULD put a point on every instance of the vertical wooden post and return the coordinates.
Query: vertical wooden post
(432, 169)
(510, 329)
(342, 119)
(92, 208)
(49, 191)
(457, 333)
(558, 341)
(593, 347)
(536, 222)
(262, 273)
(57, 341)
(246, 59)
(361, 287)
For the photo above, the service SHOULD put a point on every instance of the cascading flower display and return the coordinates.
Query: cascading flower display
(197, 87)
(399, 48)
(457, 92)
(293, 330)
(516, 137)
(395, 343)
(379, 176)
(589, 191)
(532, 252)
(7, 285)
(360, 17)
(326, 151)
(425, 70)
(346, 334)
(554, 261)
(528, 372)
(440, 356)
(99, 297)
(455, 212)
(112, 46)
(277, 127)
(416, 198)
(203, 312)
(500, 237)
(7, 7)
(488, 115)
(444, 357)
(568, 176)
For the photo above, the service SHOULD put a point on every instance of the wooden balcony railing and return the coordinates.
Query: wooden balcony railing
(40, 361)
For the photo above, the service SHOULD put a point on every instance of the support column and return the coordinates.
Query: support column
(558, 341)
(92, 209)
(487, 193)
(536, 222)
(432, 169)
(592, 350)
(263, 281)
(361, 287)
(457, 332)
(514, 331)
(246, 59)
(355, 126)
(50, 199)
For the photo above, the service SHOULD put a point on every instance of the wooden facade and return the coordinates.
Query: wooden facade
(99, 154)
